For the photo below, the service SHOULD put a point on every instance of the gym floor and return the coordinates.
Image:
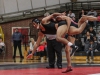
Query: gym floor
(37, 67)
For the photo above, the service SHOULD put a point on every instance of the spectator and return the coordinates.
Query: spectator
(32, 43)
(1, 45)
(45, 48)
(90, 51)
(83, 12)
(70, 14)
(40, 51)
(17, 39)
(92, 32)
(46, 14)
(78, 43)
(87, 38)
(92, 13)
(98, 41)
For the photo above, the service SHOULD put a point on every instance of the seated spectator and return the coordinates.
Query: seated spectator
(47, 14)
(83, 12)
(32, 43)
(98, 41)
(90, 51)
(40, 51)
(87, 38)
(92, 32)
(1, 45)
(70, 14)
(78, 43)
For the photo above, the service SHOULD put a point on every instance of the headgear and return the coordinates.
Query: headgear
(36, 21)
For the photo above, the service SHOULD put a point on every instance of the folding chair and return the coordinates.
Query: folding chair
(3, 53)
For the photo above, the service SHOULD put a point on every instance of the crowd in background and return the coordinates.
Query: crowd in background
(88, 40)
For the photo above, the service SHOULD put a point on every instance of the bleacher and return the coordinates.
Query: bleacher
(83, 53)
(81, 56)
(74, 6)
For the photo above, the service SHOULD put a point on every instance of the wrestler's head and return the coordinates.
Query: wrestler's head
(36, 23)
(59, 18)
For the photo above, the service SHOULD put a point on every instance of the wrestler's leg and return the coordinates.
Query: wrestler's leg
(91, 18)
(71, 39)
(67, 51)
(61, 31)
(73, 30)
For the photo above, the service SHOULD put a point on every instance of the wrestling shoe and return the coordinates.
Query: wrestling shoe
(74, 49)
(68, 69)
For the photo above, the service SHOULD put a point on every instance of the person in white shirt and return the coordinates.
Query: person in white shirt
(1, 45)
(32, 43)
(70, 14)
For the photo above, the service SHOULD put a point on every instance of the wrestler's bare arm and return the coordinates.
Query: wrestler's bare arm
(68, 20)
(40, 36)
(48, 18)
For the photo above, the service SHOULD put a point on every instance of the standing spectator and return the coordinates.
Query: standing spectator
(90, 51)
(1, 45)
(83, 12)
(17, 39)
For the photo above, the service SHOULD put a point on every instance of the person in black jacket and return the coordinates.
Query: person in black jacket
(92, 32)
(83, 12)
(90, 51)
